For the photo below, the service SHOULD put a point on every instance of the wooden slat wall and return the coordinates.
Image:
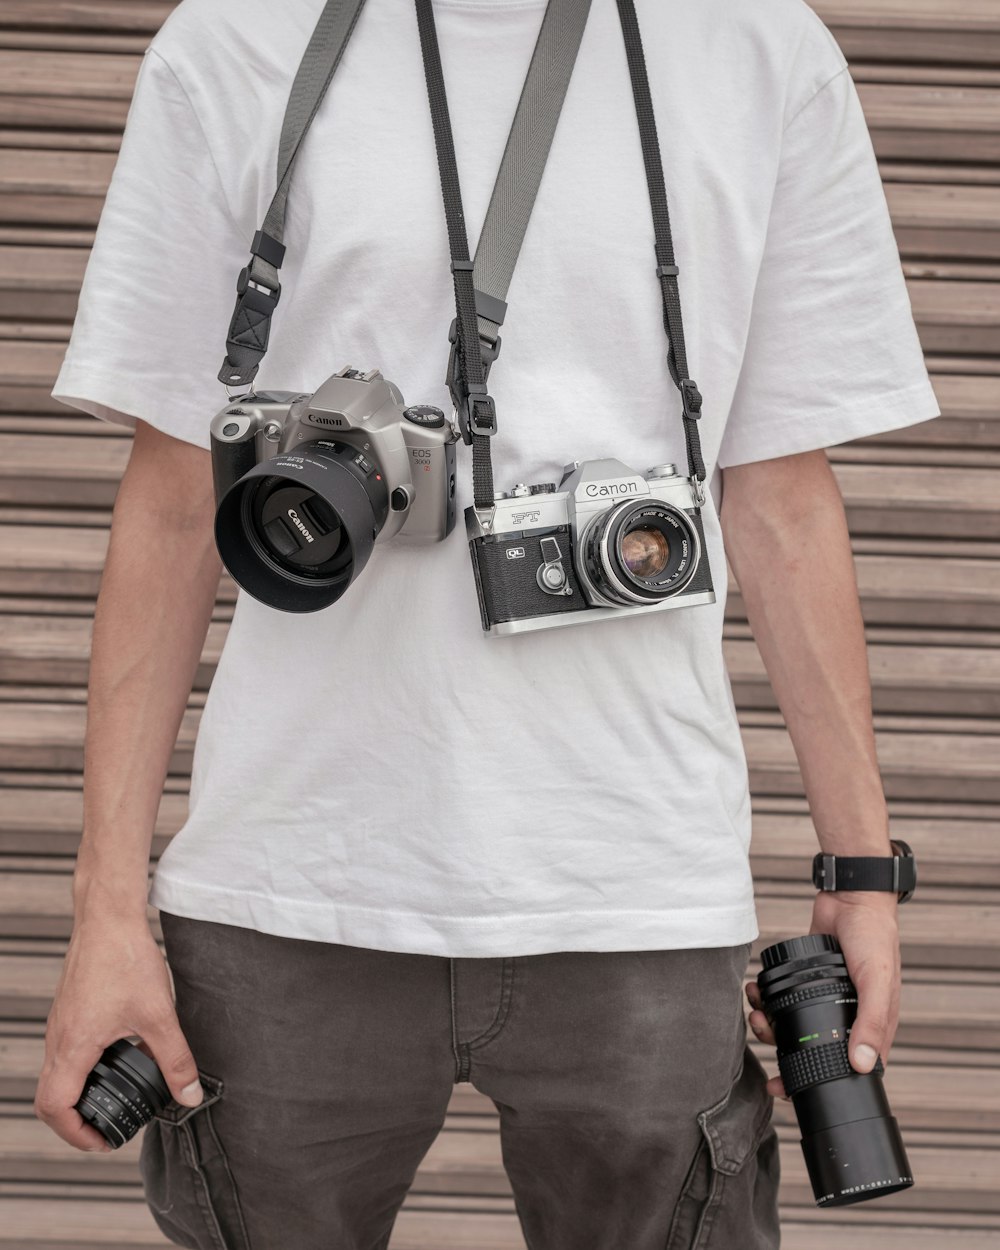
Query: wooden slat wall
(924, 507)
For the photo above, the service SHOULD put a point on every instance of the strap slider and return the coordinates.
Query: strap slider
(463, 393)
(663, 271)
(268, 249)
(482, 411)
(690, 398)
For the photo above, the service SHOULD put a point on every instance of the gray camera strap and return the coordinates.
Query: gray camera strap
(480, 287)
(258, 288)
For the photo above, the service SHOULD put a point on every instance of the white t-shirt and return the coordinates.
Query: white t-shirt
(381, 773)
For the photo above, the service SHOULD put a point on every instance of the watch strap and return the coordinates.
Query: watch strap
(896, 873)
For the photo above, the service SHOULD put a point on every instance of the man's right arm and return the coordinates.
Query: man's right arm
(153, 610)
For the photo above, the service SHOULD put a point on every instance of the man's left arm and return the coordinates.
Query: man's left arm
(787, 540)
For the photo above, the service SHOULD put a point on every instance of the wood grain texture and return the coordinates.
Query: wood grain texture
(923, 504)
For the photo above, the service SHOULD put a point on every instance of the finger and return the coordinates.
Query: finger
(753, 993)
(60, 1085)
(762, 1030)
(874, 980)
(172, 1055)
(776, 1088)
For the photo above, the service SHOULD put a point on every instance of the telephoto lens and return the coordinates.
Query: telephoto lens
(123, 1091)
(850, 1138)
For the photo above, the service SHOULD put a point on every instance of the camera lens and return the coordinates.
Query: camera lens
(646, 551)
(297, 529)
(641, 552)
(850, 1139)
(295, 525)
(122, 1092)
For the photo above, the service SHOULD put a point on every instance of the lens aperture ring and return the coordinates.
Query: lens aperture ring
(816, 989)
(813, 1065)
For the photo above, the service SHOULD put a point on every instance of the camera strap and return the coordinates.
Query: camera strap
(480, 286)
(258, 287)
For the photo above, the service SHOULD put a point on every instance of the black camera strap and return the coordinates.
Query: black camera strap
(476, 285)
(258, 287)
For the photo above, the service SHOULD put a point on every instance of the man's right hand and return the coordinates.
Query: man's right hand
(114, 983)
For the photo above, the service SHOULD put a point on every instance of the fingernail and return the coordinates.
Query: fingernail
(865, 1056)
(191, 1095)
(105, 1149)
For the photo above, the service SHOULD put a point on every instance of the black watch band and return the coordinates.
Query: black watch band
(897, 873)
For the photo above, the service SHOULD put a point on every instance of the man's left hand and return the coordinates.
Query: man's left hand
(866, 926)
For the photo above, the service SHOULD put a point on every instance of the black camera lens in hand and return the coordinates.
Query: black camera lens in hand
(850, 1139)
(122, 1092)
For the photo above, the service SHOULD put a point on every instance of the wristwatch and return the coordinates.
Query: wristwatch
(868, 872)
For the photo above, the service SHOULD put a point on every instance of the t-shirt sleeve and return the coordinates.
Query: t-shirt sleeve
(832, 351)
(160, 284)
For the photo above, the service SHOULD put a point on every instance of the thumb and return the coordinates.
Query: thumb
(172, 1055)
(873, 982)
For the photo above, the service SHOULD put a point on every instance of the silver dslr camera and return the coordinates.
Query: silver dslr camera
(606, 542)
(305, 484)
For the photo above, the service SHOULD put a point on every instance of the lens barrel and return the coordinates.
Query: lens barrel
(850, 1138)
(641, 552)
(122, 1092)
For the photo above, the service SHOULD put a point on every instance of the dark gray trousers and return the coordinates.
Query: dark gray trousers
(633, 1115)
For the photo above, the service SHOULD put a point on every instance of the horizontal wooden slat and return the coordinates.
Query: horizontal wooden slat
(959, 680)
(945, 220)
(48, 820)
(963, 681)
(934, 31)
(76, 1223)
(939, 766)
(958, 846)
(55, 470)
(143, 16)
(896, 588)
(962, 933)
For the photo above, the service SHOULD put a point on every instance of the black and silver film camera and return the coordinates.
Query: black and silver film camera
(305, 484)
(606, 542)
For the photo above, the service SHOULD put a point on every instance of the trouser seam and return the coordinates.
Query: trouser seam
(503, 1009)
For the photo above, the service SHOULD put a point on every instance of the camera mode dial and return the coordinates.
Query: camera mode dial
(426, 415)
(662, 470)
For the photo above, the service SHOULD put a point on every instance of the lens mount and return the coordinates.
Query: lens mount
(298, 528)
(641, 551)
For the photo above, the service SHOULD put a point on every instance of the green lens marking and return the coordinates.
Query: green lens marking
(808, 1037)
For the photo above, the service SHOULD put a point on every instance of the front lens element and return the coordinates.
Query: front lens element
(646, 551)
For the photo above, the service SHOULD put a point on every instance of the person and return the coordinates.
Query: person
(416, 855)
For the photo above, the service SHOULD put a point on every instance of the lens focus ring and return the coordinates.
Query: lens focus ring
(801, 1069)
(802, 993)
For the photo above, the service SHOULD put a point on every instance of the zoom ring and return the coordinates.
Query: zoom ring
(801, 1069)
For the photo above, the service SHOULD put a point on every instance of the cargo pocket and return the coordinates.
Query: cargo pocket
(730, 1194)
(186, 1178)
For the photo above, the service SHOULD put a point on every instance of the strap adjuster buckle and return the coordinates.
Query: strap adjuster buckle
(691, 398)
(473, 403)
(250, 281)
(482, 411)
